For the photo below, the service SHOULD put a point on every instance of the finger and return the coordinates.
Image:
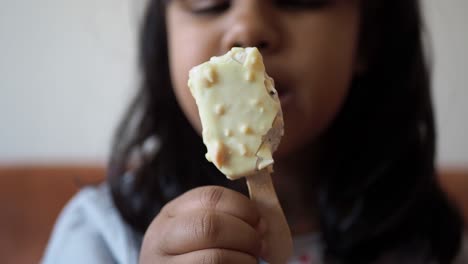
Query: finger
(215, 256)
(218, 199)
(204, 229)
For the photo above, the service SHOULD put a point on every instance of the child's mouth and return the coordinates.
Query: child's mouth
(284, 95)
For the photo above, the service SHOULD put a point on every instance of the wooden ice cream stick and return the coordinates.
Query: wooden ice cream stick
(277, 237)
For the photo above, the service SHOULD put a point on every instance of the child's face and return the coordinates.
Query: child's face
(309, 48)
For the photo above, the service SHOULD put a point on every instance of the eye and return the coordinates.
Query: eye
(208, 7)
(302, 4)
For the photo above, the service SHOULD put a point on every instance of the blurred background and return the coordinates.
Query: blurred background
(68, 71)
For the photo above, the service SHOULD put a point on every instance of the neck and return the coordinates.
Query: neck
(292, 182)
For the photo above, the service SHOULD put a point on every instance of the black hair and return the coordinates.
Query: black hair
(377, 186)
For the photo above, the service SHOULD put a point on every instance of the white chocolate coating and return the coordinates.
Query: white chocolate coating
(239, 110)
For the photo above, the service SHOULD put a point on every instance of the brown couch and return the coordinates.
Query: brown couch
(31, 198)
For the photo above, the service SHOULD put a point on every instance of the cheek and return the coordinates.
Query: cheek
(188, 106)
(179, 68)
(186, 50)
(324, 74)
(318, 103)
(326, 88)
(331, 45)
(325, 85)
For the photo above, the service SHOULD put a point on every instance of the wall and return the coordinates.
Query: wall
(68, 70)
(447, 22)
(66, 75)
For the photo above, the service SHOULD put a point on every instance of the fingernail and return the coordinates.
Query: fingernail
(263, 248)
(262, 227)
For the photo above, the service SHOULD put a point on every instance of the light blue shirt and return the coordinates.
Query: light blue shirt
(90, 230)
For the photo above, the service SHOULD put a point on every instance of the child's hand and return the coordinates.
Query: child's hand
(205, 225)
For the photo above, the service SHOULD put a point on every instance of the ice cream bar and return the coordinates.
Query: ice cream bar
(242, 126)
(239, 110)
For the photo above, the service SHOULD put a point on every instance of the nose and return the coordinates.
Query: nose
(252, 26)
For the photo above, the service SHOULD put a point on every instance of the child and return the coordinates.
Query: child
(354, 171)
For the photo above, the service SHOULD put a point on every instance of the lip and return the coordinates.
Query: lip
(283, 83)
(285, 95)
(285, 98)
